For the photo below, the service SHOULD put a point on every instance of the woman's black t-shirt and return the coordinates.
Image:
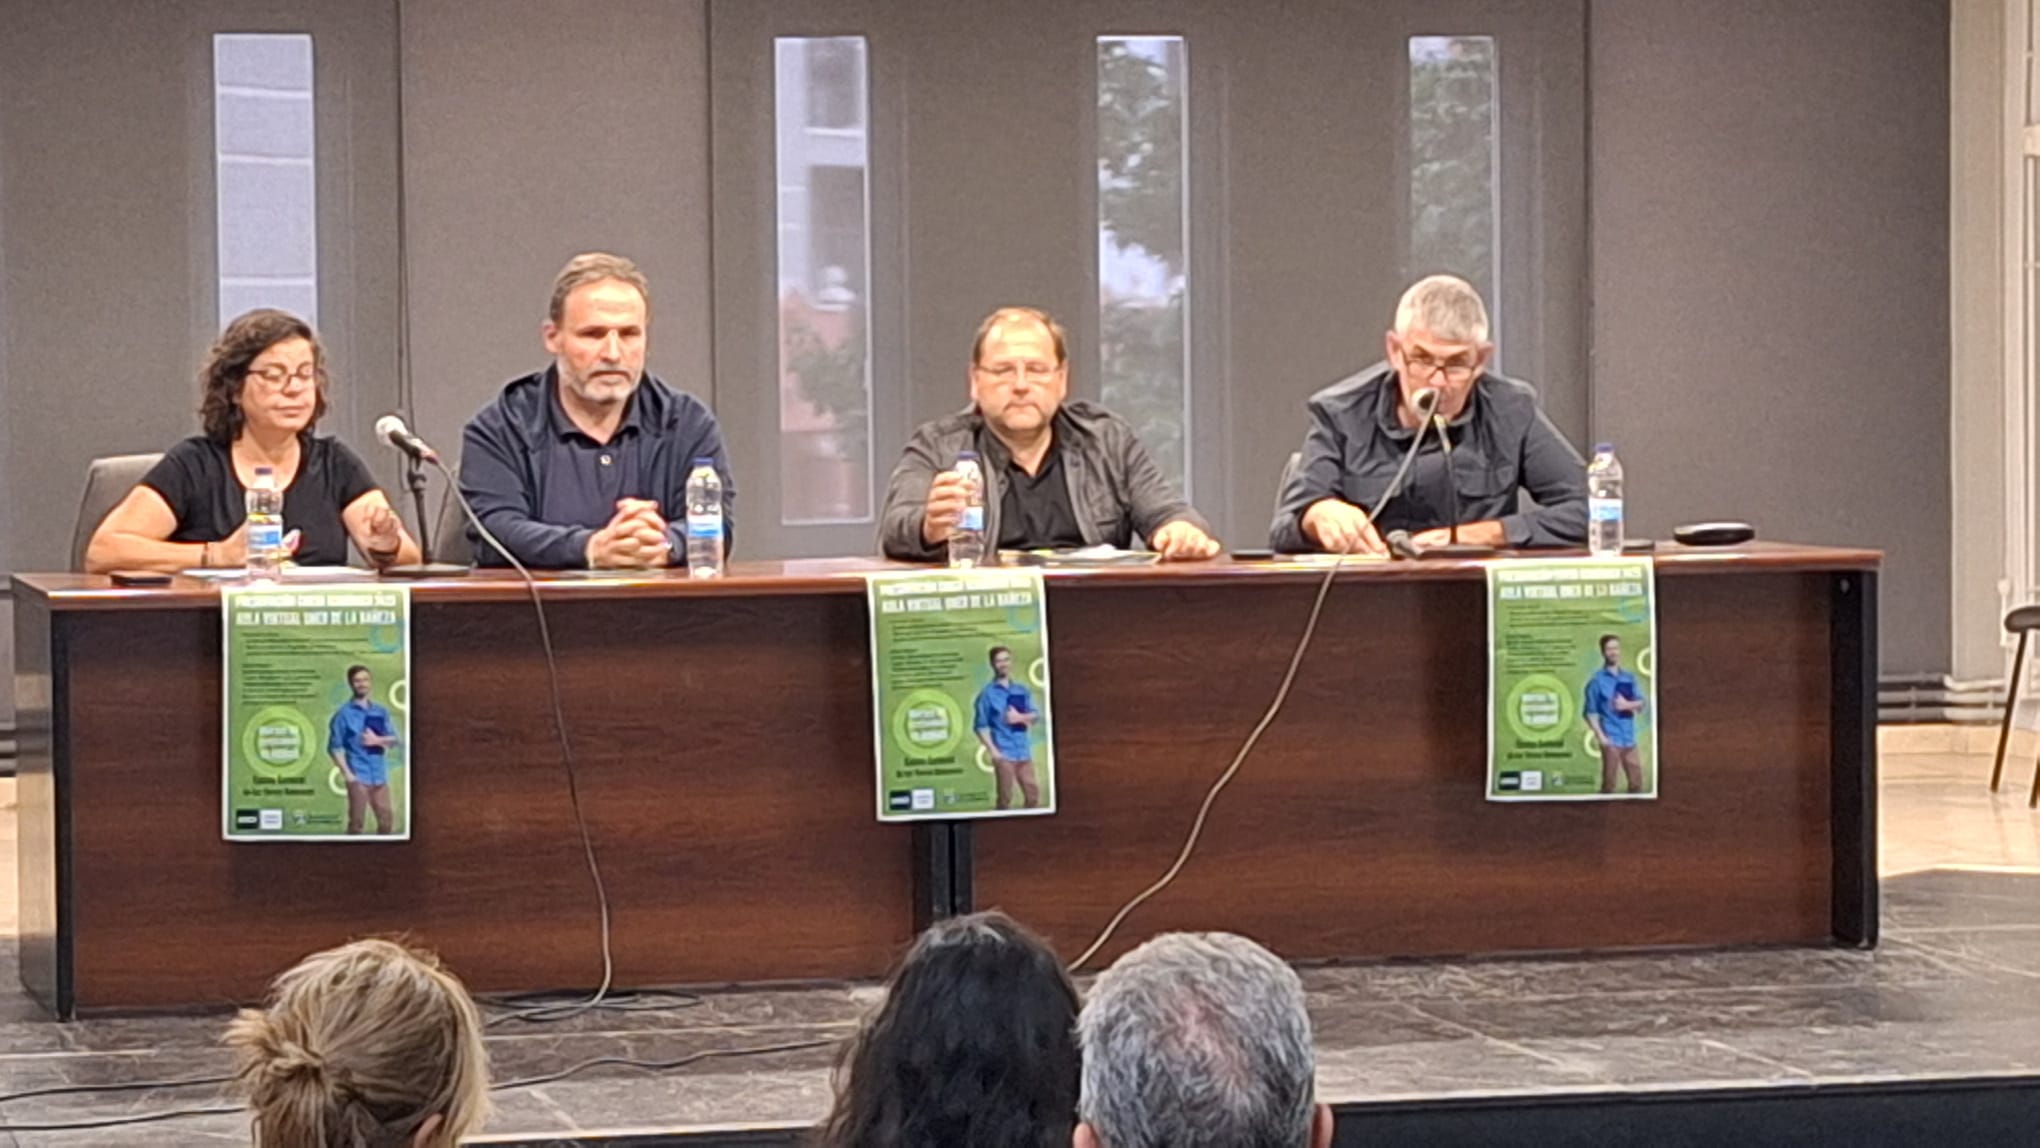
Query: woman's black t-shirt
(196, 477)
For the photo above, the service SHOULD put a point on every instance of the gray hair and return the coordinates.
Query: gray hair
(1197, 1039)
(1446, 306)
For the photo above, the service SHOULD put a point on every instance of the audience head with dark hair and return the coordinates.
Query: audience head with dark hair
(975, 1045)
(370, 1045)
(1199, 1040)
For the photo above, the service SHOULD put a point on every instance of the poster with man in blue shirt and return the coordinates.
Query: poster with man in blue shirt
(359, 738)
(1005, 722)
(317, 728)
(1568, 720)
(962, 714)
(1613, 700)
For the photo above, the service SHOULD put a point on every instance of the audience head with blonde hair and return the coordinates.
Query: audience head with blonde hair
(370, 1045)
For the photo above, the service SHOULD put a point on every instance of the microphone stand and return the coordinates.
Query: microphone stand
(1453, 548)
(414, 481)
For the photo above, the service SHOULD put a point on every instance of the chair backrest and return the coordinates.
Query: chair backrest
(1289, 470)
(449, 533)
(107, 481)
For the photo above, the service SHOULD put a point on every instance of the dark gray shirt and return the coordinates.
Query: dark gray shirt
(1502, 446)
(543, 486)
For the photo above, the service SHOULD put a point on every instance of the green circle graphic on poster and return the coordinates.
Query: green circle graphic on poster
(928, 721)
(1540, 708)
(279, 742)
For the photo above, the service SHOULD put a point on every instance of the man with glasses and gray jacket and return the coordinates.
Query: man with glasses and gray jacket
(1058, 473)
(1501, 445)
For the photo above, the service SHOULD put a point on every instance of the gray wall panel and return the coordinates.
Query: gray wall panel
(100, 283)
(1977, 439)
(1770, 277)
(534, 130)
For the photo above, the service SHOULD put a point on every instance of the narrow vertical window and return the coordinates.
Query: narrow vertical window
(263, 160)
(824, 230)
(1454, 194)
(1143, 258)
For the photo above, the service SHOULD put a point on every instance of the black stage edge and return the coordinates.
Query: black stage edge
(1973, 1112)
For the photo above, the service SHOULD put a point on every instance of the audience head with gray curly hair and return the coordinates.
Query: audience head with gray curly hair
(1199, 1040)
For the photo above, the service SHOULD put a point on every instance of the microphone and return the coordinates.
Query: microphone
(392, 431)
(1425, 400)
(1401, 546)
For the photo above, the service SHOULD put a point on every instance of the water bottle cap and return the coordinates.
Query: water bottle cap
(261, 470)
(707, 462)
(966, 454)
(1604, 448)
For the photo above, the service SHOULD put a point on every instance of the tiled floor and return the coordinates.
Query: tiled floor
(1938, 810)
(1953, 990)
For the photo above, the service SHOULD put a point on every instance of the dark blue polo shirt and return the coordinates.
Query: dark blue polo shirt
(543, 486)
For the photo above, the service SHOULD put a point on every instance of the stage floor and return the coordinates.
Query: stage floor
(1953, 992)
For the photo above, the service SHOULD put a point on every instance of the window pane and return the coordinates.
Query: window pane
(1454, 197)
(1143, 269)
(824, 281)
(263, 160)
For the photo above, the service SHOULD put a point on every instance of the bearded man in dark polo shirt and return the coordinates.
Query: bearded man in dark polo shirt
(585, 464)
(1058, 473)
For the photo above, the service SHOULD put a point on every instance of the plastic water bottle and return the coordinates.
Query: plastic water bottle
(704, 521)
(967, 537)
(1604, 502)
(265, 527)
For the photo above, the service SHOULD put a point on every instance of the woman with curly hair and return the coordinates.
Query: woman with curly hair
(975, 1044)
(263, 392)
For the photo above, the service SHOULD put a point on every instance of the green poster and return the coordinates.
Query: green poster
(317, 714)
(960, 700)
(1572, 681)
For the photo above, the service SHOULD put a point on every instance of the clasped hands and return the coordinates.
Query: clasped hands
(634, 539)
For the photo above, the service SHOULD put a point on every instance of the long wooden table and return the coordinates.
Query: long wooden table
(723, 742)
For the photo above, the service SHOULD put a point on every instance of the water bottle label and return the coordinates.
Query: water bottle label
(704, 526)
(1604, 509)
(973, 518)
(265, 536)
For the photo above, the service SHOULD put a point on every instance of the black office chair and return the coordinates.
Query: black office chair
(2022, 621)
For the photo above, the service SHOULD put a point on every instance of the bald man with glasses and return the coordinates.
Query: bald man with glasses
(1502, 445)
